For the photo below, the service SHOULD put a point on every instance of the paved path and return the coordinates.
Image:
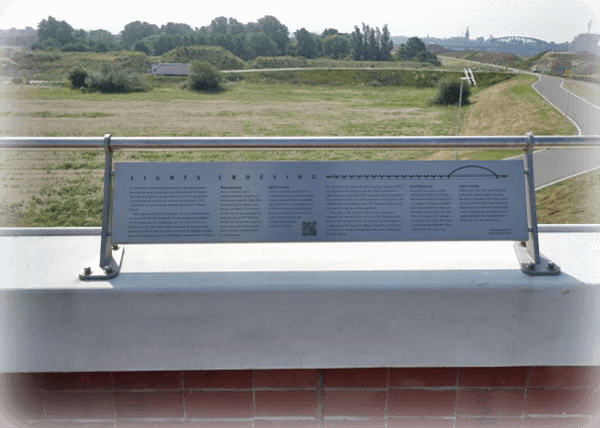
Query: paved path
(556, 165)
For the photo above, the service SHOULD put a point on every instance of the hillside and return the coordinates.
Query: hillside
(496, 58)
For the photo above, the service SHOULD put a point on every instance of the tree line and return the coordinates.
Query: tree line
(265, 37)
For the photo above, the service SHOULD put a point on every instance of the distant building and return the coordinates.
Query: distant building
(170, 69)
(586, 42)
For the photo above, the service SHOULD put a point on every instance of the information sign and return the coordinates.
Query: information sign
(318, 201)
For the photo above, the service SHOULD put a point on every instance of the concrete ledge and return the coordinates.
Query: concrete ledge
(260, 306)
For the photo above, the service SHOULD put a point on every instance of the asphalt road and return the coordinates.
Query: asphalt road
(555, 165)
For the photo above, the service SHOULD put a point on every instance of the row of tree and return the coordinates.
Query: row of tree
(265, 37)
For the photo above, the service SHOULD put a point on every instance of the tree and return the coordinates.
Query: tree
(165, 43)
(278, 32)
(136, 31)
(236, 27)
(306, 44)
(219, 25)
(415, 50)
(371, 44)
(141, 47)
(102, 37)
(260, 44)
(329, 32)
(411, 48)
(387, 45)
(173, 29)
(336, 46)
(358, 48)
(58, 30)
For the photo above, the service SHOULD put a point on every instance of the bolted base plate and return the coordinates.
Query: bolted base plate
(528, 266)
(102, 273)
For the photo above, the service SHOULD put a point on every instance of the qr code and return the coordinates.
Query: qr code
(309, 228)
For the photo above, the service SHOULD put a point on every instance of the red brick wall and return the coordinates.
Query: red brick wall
(382, 397)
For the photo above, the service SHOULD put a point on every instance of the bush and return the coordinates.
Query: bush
(115, 79)
(74, 47)
(204, 77)
(278, 62)
(141, 47)
(136, 62)
(77, 77)
(449, 93)
(215, 55)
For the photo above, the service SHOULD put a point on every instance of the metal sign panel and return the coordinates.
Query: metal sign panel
(319, 201)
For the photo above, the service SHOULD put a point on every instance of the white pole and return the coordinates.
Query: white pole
(459, 104)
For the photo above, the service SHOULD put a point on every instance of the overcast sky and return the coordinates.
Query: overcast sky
(550, 20)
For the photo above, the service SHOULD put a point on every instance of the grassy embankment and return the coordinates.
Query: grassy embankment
(63, 188)
(497, 59)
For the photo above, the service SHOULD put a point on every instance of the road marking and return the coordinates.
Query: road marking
(583, 99)
(566, 178)
(550, 102)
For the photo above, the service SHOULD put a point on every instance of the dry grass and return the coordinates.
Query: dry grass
(576, 200)
(513, 108)
(244, 110)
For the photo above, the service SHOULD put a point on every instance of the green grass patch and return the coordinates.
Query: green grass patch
(365, 76)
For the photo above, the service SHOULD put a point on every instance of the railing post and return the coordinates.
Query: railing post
(109, 268)
(533, 249)
(532, 263)
(106, 248)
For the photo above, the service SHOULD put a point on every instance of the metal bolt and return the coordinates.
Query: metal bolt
(531, 266)
(108, 269)
(87, 270)
(115, 247)
(551, 266)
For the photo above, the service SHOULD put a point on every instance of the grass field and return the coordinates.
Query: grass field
(63, 188)
(245, 109)
(514, 107)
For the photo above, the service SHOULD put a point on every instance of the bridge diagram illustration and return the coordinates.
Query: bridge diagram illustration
(464, 172)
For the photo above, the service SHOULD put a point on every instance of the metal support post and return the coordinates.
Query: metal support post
(462, 81)
(528, 253)
(109, 267)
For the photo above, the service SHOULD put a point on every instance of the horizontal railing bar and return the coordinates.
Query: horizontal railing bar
(50, 231)
(116, 143)
(96, 231)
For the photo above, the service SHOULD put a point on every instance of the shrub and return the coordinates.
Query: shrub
(449, 93)
(115, 79)
(141, 47)
(137, 62)
(278, 62)
(74, 47)
(77, 77)
(204, 77)
(216, 55)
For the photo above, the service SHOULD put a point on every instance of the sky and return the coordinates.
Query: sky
(549, 20)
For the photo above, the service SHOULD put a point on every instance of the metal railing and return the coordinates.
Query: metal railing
(528, 142)
(150, 143)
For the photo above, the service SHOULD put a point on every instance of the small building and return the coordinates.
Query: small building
(170, 69)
